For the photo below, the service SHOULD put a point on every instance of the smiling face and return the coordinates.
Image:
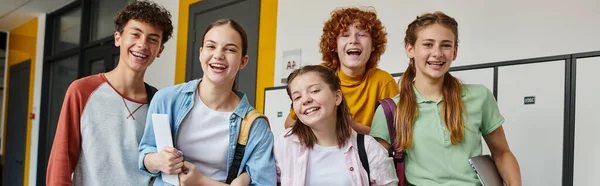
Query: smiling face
(313, 100)
(221, 55)
(354, 47)
(139, 45)
(433, 52)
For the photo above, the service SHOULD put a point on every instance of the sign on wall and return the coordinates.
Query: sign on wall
(292, 60)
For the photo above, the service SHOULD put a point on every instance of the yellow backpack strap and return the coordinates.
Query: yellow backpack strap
(247, 124)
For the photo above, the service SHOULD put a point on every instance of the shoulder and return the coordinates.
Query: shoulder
(286, 140)
(172, 92)
(261, 122)
(475, 90)
(372, 145)
(380, 75)
(85, 86)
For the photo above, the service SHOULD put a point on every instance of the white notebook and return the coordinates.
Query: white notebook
(162, 134)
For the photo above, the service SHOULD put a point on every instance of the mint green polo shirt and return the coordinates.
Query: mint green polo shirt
(432, 159)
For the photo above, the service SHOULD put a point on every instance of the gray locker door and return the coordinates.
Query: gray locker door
(484, 76)
(16, 123)
(586, 166)
(534, 131)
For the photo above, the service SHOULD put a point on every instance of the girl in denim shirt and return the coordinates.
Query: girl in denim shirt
(205, 116)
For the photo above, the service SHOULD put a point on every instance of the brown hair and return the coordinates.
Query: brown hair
(343, 116)
(236, 26)
(339, 22)
(407, 110)
(147, 12)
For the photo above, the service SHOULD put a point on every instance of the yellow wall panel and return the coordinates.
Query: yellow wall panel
(21, 47)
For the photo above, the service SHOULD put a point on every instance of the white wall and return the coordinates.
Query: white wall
(161, 73)
(489, 31)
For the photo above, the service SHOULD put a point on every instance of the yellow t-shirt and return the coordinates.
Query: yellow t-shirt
(362, 93)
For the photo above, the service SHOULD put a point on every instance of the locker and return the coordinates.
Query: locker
(586, 166)
(534, 130)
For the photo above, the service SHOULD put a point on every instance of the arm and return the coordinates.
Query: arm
(382, 167)
(379, 128)
(493, 133)
(191, 176)
(260, 164)
(290, 120)
(67, 141)
(242, 179)
(360, 128)
(390, 89)
(505, 160)
(383, 143)
(169, 160)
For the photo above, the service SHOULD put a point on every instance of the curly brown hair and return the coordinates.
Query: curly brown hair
(339, 22)
(148, 12)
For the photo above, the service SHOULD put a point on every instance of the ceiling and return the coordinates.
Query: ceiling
(14, 13)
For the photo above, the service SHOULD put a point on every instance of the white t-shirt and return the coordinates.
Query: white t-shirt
(203, 137)
(327, 166)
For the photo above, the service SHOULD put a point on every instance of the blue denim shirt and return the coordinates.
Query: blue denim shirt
(177, 101)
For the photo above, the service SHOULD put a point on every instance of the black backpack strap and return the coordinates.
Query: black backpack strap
(362, 154)
(150, 90)
(236, 163)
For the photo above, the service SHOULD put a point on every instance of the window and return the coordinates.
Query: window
(102, 15)
(67, 31)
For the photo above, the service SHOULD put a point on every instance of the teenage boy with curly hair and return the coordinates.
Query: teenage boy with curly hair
(103, 116)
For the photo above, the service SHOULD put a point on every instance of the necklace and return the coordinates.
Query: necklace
(128, 110)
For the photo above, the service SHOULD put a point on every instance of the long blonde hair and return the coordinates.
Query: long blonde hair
(407, 109)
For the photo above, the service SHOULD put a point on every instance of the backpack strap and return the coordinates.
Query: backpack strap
(389, 108)
(362, 154)
(242, 140)
(150, 90)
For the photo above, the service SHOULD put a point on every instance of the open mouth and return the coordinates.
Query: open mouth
(139, 55)
(311, 110)
(436, 63)
(354, 52)
(217, 66)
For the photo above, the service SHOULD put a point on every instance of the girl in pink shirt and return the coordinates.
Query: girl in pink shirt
(321, 148)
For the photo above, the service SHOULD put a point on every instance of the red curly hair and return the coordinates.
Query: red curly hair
(339, 22)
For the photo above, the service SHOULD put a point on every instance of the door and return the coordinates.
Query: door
(531, 99)
(245, 12)
(16, 123)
